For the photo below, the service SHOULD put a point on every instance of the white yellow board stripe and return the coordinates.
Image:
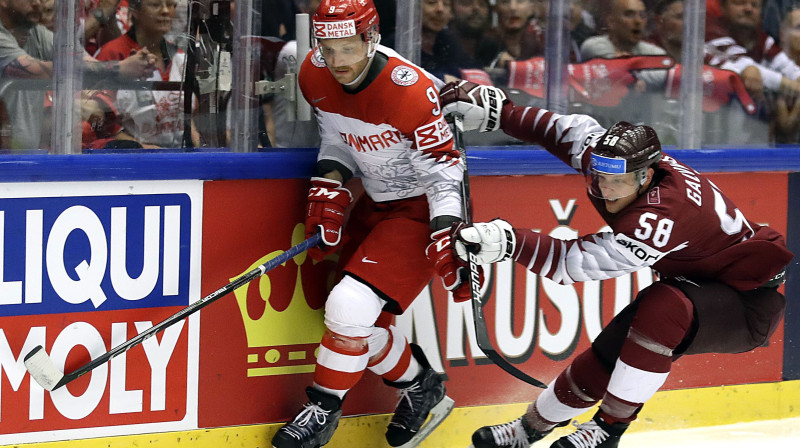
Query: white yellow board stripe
(667, 410)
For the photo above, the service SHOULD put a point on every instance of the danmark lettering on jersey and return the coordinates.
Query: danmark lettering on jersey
(432, 134)
(372, 142)
(637, 251)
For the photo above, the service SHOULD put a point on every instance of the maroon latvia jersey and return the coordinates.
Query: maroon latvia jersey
(683, 226)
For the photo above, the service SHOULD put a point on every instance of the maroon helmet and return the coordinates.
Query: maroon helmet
(635, 147)
(623, 149)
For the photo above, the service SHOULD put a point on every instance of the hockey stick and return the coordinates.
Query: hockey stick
(481, 332)
(44, 371)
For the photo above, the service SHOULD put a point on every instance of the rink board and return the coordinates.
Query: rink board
(245, 363)
(680, 409)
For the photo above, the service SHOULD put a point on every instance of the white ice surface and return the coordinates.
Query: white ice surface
(765, 433)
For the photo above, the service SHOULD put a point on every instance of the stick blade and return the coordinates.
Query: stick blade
(42, 368)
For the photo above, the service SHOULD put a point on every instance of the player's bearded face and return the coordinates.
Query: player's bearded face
(346, 58)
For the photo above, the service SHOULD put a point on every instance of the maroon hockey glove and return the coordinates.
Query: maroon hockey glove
(327, 201)
(451, 269)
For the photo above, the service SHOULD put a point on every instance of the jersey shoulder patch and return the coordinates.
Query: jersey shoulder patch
(403, 75)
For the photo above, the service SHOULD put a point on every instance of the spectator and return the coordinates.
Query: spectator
(123, 18)
(736, 42)
(626, 22)
(471, 20)
(786, 123)
(441, 52)
(152, 118)
(282, 131)
(277, 18)
(513, 18)
(668, 33)
(48, 14)
(100, 23)
(180, 23)
(790, 35)
(97, 111)
(26, 52)
(579, 31)
(583, 26)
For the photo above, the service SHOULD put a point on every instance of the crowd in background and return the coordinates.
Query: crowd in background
(624, 62)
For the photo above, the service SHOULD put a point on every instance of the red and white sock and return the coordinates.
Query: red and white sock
(392, 360)
(340, 363)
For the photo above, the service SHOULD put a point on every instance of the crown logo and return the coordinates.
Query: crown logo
(280, 341)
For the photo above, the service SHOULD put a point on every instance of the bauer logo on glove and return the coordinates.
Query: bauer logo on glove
(489, 242)
(481, 106)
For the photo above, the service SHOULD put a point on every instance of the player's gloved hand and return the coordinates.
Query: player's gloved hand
(452, 270)
(327, 200)
(480, 105)
(494, 240)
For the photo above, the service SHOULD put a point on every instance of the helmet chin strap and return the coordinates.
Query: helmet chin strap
(361, 76)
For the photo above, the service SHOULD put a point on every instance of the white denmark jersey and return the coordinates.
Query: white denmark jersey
(391, 132)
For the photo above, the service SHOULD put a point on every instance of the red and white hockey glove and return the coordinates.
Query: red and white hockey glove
(327, 201)
(450, 268)
(480, 105)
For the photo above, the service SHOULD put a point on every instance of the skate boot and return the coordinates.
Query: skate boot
(595, 433)
(314, 425)
(424, 395)
(516, 434)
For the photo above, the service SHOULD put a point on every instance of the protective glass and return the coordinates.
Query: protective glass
(342, 52)
(611, 187)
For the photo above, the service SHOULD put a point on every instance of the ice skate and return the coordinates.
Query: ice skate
(420, 397)
(593, 434)
(515, 434)
(314, 425)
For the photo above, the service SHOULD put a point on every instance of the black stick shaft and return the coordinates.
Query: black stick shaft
(189, 310)
(481, 332)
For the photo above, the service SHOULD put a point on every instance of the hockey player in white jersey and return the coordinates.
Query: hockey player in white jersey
(379, 119)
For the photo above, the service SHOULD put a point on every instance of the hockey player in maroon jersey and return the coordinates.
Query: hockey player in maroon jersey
(379, 117)
(718, 270)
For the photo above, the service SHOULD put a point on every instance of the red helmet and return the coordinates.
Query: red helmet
(335, 19)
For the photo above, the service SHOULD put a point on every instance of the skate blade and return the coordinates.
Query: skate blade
(437, 415)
